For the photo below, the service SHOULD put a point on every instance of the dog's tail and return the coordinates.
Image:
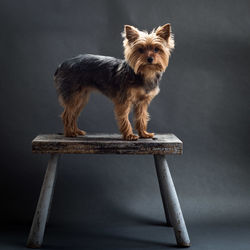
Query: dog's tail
(67, 83)
(61, 89)
(55, 74)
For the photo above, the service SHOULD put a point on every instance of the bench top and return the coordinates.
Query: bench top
(106, 144)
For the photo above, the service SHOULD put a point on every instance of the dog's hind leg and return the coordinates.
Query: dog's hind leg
(68, 121)
(80, 105)
(71, 112)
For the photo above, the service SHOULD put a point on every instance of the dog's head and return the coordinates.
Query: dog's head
(148, 53)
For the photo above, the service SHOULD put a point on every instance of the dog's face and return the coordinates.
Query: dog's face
(148, 53)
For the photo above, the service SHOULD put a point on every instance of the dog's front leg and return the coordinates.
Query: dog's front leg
(141, 118)
(122, 113)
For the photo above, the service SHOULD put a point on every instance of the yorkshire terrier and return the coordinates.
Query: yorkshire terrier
(130, 82)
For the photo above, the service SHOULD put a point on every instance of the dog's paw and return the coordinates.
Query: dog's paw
(80, 132)
(146, 134)
(70, 134)
(131, 137)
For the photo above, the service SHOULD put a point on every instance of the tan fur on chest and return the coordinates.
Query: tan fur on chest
(136, 95)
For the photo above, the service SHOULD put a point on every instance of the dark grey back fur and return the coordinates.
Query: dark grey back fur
(109, 75)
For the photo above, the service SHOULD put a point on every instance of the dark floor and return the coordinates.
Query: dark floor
(138, 235)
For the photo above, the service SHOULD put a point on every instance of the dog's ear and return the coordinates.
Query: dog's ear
(131, 33)
(164, 31)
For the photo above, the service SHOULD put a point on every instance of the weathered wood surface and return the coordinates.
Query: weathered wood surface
(106, 144)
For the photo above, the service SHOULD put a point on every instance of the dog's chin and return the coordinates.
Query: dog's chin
(150, 67)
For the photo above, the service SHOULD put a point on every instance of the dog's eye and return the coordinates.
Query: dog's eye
(141, 50)
(156, 49)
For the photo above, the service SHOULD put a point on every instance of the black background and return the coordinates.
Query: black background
(112, 201)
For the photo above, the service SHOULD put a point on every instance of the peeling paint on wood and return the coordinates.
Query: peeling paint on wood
(35, 238)
(171, 202)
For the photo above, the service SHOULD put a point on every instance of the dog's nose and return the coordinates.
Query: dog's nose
(150, 59)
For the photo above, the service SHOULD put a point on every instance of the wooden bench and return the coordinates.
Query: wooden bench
(159, 146)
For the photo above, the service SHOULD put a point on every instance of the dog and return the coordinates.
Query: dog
(130, 82)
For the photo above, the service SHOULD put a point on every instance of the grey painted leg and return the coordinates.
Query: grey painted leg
(171, 202)
(162, 184)
(35, 238)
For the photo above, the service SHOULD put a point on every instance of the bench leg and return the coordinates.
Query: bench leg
(162, 184)
(35, 238)
(170, 201)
